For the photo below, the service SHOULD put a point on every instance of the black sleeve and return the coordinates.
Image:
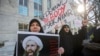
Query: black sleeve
(18, 49)
(15, 50)
(62, 40)
(78, 40)
(83, 32)
(61, 44)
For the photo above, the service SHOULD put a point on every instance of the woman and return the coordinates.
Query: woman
(66, 41)
(71, 45)
(34, 26)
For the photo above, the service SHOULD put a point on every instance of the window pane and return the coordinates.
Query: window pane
(23, 10)
(41, 14)
(35, 6)
(40, 7)
(20, 26)
(36, 13)
(23, 27)
(25, 2)
(20, 2)
(39, 2)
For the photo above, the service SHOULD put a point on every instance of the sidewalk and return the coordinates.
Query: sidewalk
(7, 49)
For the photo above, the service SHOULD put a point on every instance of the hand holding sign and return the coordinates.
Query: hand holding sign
(56, 27)
(61, 50)
(85, 22)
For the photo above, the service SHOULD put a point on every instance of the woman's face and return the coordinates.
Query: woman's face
(66, 29)
(31, 46)
(35, 27)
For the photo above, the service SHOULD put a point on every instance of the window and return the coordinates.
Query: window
(23, 7)
(23, 27)
(48, 4)
(38, 8)
(23, 2)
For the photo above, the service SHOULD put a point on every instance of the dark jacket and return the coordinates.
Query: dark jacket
(78, 41)
(78, 38)
(72, 43)
(66, 41)
(96, 34)
(93, 48)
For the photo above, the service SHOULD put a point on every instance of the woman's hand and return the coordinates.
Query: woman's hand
(60, 50)
(56, 27)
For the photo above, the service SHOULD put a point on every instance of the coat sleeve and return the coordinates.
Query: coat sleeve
(83, 33)
(18, 49)
(78, 38)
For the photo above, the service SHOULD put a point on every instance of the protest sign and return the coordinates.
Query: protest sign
(45, 44)
(62, 11)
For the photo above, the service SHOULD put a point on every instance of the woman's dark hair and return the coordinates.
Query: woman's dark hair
(35, 20)
(62, 31)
